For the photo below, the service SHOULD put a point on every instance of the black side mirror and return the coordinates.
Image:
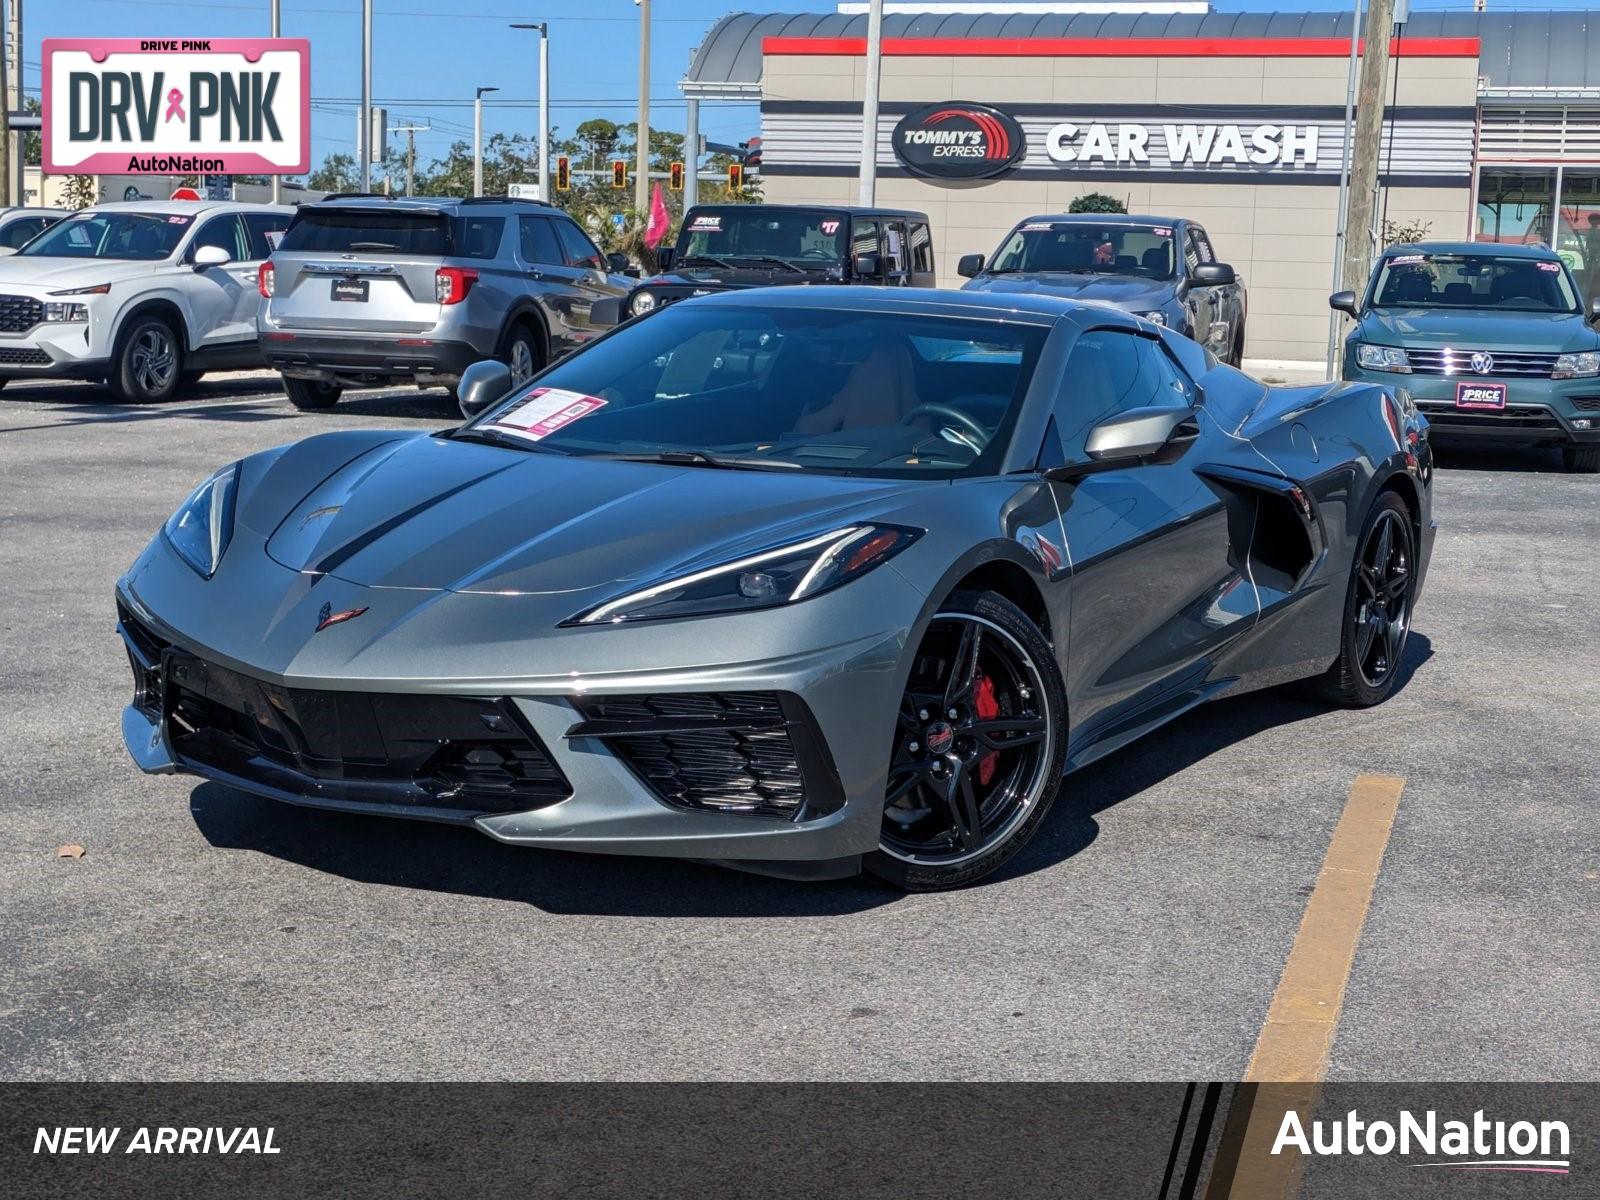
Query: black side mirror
(618, 263)
(869, 266)
(606, 311)
(482, 384)
(664, 258)
(1594, 310)
(970, 266)
(1344, 302)
(1212, 274)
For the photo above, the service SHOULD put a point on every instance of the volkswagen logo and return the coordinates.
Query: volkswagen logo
(1481, 363)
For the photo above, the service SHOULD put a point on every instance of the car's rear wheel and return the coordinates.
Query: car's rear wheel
(978, 747)
(522, 354)
(1581, 460)
(148, 362)
(1377, 614)
(311, 394)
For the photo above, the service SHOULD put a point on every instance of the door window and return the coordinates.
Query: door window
(921, 250)
(20, 231)
(1191, 252)
(538, 242)
(1110, 372)
(863, 238)
(578, 249)
(1202, 244)
(478, 237)
(896, 252)
(224, 232)
(265, 232)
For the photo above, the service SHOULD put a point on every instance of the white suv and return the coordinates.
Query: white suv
(146, 295)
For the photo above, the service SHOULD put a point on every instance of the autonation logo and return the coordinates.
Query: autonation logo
(1476, 1145)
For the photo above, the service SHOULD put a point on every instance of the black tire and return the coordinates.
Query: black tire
(147, 364)
(311, 395)
(1377, 610)
(1581, 460)
(967, 792)
(522, 351)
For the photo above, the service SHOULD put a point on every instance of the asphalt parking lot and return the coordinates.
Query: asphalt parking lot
(209, 935)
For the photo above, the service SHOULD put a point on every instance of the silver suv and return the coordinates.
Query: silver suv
(366, 290)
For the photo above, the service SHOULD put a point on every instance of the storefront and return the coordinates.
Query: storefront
(1236, 120)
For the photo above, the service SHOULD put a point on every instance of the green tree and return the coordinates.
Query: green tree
(80, 192)
(507, 159)
(336, 174)
(1097, 202)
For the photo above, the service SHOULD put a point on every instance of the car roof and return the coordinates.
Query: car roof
(1499, 249)
(853, 209)
(187, 208)
(1025, 307)
(376, 202)
(1104, 219)
(33, 210)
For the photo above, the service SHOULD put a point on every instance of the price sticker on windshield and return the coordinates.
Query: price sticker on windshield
(1553, 268)
(705, 225)
(545, 411)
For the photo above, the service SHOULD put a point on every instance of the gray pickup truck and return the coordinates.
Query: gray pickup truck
(1161, 268)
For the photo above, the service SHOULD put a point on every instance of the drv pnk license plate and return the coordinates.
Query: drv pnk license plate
(1481, 395)
(350, 289)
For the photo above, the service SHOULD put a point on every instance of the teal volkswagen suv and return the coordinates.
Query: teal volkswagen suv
(1490, 340)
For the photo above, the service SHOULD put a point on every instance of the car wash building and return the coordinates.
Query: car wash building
(1491, 130)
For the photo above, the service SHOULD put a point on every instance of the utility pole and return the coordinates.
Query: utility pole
(1341, 210)
(16, 101)
(277, 180)
(641, 168)
(1367, 144)
(869, 106)
(411, 132)
(477, 140)
(543, 28)
(5, 135)
(364, 135)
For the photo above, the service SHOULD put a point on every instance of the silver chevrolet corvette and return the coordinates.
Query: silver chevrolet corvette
(803, 581)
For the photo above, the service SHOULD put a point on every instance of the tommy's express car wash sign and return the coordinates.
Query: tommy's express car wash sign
(128, 106)
(958, 140)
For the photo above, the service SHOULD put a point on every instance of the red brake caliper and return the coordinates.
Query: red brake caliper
(987, 708)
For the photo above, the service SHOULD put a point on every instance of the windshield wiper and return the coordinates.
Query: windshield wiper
(494, 437)
(373, 246)
(699, 458)
(706, 258)
(771, 258)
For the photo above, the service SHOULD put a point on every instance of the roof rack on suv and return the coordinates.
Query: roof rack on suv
(357, 196)
(505, 200)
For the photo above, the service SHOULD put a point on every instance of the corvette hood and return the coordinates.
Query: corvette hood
(440, 515)
(1477, 330)
(1124, 291)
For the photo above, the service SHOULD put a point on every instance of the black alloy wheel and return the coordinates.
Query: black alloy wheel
(978, 746)
(1377, 610)
(147, 363)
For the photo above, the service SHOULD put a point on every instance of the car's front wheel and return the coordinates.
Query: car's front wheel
(148, 362)
(311, 394)
(978, 747)
(1581, 460)
(523, 354)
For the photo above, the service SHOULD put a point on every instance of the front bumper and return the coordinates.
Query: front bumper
(54, 350)
(1537, 410)
(839, 702)
(368, 358)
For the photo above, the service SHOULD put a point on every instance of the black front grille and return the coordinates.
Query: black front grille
(1447, 415)
(746, 752)
(22, 356)
(1527, 364)
(464, 753)
(18, 313)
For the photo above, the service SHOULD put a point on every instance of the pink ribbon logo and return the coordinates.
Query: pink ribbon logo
(174, 105)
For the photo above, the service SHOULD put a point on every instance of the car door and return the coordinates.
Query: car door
(223, 298)
(1201, 300)
(865, 238)
(896, 253)
(1155, 593)
(579, 278)
(540, 254)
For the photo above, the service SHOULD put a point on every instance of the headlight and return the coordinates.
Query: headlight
(66, 312)
(1382, 358)
(99, 289)
(642, 302)
(1156, 315)
(200, 529)
(765, 580)
(1575, 366)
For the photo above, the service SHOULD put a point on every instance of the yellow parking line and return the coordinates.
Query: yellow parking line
(1291, 1054)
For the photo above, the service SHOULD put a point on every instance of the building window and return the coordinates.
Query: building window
(1514, 205)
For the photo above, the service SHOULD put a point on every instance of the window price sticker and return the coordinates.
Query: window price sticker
(545, 411)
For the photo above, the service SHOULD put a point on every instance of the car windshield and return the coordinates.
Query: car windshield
(782, 388)
(1089, 249)
(1511, 284)
(752, 233)
(146, 237)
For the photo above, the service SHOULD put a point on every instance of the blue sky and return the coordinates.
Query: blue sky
(426, 65)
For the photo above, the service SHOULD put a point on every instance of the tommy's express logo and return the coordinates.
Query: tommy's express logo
(958, 141)
(987, 139)
(1479, 1144)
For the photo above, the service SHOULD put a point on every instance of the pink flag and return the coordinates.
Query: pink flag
(660, 219)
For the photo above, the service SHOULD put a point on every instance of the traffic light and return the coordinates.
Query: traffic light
(675, 177)
(563, 174)
(619, 174)
(735, 178)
